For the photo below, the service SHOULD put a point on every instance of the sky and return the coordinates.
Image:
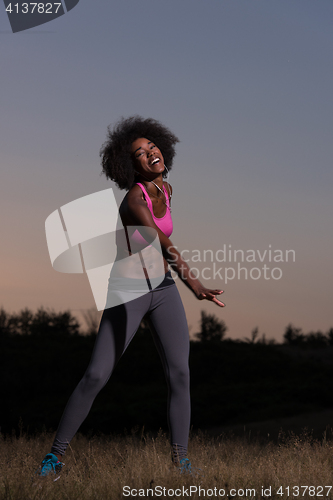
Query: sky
(246, 85)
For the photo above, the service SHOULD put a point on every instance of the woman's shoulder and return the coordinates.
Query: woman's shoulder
(133, 197)
(134, 191)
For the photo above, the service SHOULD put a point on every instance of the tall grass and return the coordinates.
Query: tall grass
(99, 468)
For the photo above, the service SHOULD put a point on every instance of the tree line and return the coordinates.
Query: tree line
(212, 329)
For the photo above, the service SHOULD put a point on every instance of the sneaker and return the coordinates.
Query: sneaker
(50, 465)
(185, 466)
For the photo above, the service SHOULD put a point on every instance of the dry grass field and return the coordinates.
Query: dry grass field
(139, 466)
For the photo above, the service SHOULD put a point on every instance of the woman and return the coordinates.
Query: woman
(135, 157)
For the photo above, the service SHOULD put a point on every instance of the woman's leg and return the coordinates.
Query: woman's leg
(170, 331)
(117, 328)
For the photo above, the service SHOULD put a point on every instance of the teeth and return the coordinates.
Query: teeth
(155, 161)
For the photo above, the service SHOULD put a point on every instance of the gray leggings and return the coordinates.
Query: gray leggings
(118, 326)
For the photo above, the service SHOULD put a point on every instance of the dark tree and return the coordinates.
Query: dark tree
(317, 339)
(330, 336)
(254, 336)
(293, 336)
(39, 323)
(8, 322)
(212, 328)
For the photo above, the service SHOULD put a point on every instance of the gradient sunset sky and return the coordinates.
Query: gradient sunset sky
(247, 87)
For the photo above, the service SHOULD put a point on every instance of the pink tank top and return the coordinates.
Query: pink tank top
(131, 238)
(163, 223)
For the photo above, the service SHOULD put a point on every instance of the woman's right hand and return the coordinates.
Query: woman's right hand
(203, 293)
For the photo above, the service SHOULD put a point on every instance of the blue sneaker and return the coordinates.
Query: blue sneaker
(185, 466)
(50, 465)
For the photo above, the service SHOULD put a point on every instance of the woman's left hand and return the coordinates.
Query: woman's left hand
(205, 293)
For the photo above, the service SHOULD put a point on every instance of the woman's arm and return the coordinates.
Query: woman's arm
(140, 215)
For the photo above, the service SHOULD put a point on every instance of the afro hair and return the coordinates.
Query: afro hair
(116, 157)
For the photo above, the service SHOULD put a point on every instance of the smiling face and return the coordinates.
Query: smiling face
(147, 158)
